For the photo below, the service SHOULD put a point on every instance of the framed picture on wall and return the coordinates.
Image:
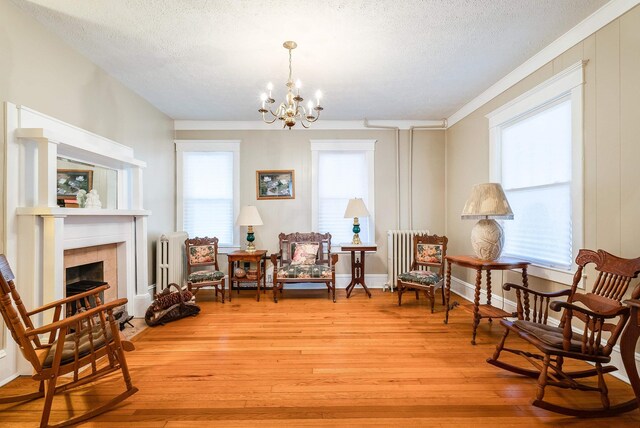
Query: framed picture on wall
(275, 184)
(70, 181)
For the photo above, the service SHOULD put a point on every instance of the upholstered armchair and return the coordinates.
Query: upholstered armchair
(304, 258)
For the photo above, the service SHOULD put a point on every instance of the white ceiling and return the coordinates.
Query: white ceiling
(375, 59)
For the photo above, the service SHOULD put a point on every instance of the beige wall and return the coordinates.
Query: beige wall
(611, 143)
(284, 149)
(39, 71)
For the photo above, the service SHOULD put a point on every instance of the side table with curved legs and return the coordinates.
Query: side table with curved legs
(486, 310)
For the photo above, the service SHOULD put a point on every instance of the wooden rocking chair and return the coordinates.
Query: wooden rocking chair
(73, 343)
(595, 314)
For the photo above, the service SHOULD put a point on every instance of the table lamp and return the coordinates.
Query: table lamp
(487, 202)
(249, 216)
(355, 209)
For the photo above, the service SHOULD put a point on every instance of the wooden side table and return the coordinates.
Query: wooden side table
(259, 257)
(357, 265)
(483, 311)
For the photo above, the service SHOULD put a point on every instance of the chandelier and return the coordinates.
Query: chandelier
(290, 111)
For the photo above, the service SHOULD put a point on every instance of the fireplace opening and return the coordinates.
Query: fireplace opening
(80, 279)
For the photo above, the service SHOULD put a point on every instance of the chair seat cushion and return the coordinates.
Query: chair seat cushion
(424, 277)
(84, 345)
(304, 271)
(549, 335)
(205, 276)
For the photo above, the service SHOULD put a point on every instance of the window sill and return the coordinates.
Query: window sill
(555, 275)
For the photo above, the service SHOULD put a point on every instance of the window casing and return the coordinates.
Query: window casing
(536, 152)
(341, 170)
(207, 179)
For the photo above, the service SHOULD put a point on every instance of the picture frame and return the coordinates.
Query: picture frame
(70, 181)
(275, 184)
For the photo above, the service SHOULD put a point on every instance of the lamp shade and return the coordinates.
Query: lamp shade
(249, 216)
(356, 208)
(487, 201)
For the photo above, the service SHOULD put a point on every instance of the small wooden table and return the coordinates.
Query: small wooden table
(483, 311)
(259, 257)
(357, 265)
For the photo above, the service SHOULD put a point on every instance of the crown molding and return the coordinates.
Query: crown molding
(601, 17)
(255, 125)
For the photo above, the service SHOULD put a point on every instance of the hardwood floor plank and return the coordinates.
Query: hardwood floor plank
(307, 362)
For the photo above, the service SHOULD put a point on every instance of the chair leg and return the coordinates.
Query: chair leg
(222, 286)
(431, 295)
(442, 289)
(399, 289)
(417, 295)
(542, 379)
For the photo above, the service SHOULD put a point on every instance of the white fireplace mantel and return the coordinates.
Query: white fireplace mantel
(39, 231)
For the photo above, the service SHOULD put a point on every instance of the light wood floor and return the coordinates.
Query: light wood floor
(306, 361)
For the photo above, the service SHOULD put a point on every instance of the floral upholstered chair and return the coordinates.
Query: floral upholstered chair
(304, 258)
(202, 265)
(427, 268)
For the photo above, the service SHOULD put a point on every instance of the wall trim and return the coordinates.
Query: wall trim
(467, 292)
(601, 17)
(256, 125)
(9, 379)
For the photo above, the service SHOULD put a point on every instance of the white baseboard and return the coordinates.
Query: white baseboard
(9, 379)
(467, 291)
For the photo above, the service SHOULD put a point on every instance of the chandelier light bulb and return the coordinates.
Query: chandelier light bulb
(318, 96)
(310, 108)
(269, 88)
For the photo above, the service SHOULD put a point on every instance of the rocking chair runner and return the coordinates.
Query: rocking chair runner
(595, 314)
(73, 343)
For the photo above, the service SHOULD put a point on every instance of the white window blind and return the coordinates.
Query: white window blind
(342, 175)
(536, 174)
(208, 205)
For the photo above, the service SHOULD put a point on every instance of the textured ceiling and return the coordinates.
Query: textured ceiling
(375, 59)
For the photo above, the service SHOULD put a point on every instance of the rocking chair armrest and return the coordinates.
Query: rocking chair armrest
(632, 302)
(60, 302)
(65, 322)
(557, 306)
(508, 286)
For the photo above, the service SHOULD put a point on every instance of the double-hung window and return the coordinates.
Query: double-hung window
(208, 189)
(342, 170)
(536, 153)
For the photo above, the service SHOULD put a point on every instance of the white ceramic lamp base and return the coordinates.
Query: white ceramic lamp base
(487, 239)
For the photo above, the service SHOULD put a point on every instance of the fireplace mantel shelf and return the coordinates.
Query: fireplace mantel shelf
(57, 211)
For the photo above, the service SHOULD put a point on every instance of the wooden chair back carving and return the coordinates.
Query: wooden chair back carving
(201, 252)
(429, 252)
(287, 241)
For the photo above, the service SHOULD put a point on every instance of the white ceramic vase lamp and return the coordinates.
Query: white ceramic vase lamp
(487, 203)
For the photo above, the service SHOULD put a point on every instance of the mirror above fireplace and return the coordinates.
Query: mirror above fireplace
(75, 177)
